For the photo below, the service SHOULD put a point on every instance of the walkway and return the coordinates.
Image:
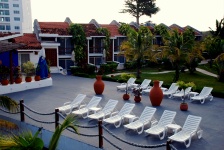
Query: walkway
(65, 88)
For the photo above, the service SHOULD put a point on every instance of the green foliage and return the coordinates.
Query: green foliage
(8, 103)
(79, 41)
(219, 65)
(126, 76)
(138, 8)
(69, 122)
(130, 65)
(124, 29)
(109, 67)
(28, 68)
(85, 69)
(22, 141)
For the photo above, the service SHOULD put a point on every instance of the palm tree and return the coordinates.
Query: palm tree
(69, 122)
(138, 8)
(176, 48)
(10, 105)
(138, 46)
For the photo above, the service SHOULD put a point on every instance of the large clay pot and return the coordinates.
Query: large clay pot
(28, 79)
(184, 106)
(156, 94)
(98, 85)
(126, 97)
(137, 99)
(18, 80)
(5, 82)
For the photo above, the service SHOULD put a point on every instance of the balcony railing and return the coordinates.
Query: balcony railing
(94, 50)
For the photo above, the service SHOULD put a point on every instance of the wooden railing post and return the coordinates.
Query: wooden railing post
(100, 134)
(56, 118)
(22, 116)
(168, 145)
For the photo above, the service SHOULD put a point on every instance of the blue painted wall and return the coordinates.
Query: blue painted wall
(5, 58)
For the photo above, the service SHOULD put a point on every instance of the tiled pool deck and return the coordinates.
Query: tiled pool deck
(65, 88)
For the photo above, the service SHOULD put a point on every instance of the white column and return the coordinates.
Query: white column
(88, 49)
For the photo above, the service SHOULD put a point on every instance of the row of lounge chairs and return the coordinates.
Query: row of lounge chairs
(171, 92)
(146, 122)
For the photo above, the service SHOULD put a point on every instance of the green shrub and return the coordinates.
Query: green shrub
(126, 76)
(109, 67)
(130, 65)
(91, 69)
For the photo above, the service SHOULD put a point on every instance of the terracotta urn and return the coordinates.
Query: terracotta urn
(126, 97)
(28, 79)
(5, 82)
(98, 85)
(156, 94)
(18, 80)
(137, 99)
(184, 106)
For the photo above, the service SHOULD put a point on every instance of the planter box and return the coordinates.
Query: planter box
(11, 88)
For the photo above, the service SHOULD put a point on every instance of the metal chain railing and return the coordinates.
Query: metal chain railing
(9, 111)
(111, 143)
(134, 144)
(36, 111)
(46, 122)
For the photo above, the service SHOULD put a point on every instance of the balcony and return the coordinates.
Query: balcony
(96, 50)
(65, 51)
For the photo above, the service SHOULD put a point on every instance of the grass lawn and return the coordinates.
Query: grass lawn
(198, 78)
(207, 68)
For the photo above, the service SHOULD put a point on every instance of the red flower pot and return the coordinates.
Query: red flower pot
(28, 79)
(184, 106)
(37, 78)
(5, 82)
(156, 94)
(18, 80)
(126, 97)
(137, 99)
(98, 85)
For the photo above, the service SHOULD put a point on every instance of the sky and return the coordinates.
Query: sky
(200, 14)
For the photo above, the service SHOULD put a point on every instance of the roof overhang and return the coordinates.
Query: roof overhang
(53, 35)
(10, 37)
(8, 46)
(50, 44)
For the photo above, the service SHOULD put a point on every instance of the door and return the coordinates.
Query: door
(51, 56)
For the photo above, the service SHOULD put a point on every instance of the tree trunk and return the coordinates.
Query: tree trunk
(138, 69)
(177, 74)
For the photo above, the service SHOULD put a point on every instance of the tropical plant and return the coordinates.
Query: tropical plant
(138, 46)
(17, 72)
(219, 64)
(69, 122)
(28, 68)
(177, 47)
(183, 85)
(23, 141)
(79, 41)
(137, 91)
(138, 8)
(126, 76)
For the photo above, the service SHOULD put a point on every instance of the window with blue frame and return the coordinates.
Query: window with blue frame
(16, 19)
(119, 58)
(2, 27)
(8, 27)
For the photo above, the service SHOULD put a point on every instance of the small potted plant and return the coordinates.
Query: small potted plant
(37, 71)
(29, 69)
(126, 96)
(4, 74)
(183, 85)
(137, 93)
(17, 75)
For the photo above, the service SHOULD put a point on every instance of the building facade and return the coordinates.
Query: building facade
(15, 16)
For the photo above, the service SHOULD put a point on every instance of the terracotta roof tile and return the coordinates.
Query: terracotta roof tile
(90, 30)
(112, 28)
(30, 41)
(60, 28)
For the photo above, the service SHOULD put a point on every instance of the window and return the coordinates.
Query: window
(16, 18)
(2, 27)
(8, 27)
(66, 63)
(15, 5)
(4, 0)
(6, 19)
(17, 27)
(3, 5)
(4, 12)
(119, 58)
(16, 12)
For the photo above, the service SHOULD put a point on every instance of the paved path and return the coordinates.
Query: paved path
(65, 88)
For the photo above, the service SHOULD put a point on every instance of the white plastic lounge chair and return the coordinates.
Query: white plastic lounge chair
(190, 128)
(144, 119)
(172, 89)
(117, 118)
(129, 84)
(148, 89)
(205, 93)
(160, 129)
(144, 85)
(182, 93)
(106, 111)
(84, 110)
(68, 107)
